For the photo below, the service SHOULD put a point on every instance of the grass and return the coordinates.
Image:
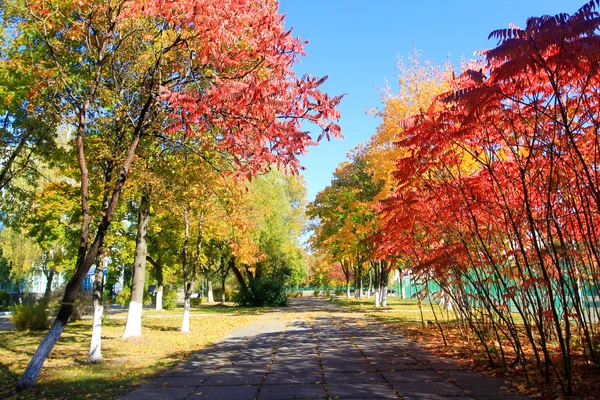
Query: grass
(207, 309)
(401, 310)
(128, 363)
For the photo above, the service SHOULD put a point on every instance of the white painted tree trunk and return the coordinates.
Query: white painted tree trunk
(95, 355)
(27, 380)
(133, 327)
(159, 297)
(377, 297)
(384, 296)
(185, 323)
(348, 290)
(402, 288)
(96, 344)
(210, 297)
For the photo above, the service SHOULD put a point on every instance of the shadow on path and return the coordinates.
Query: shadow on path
(327, 355)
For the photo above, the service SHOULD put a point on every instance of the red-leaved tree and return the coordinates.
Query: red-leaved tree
(218, 70)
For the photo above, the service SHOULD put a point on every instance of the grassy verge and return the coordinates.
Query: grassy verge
(128, 363)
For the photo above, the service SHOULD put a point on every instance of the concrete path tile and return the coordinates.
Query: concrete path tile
(177, 381)
(417, 376)
(351, 378)
(424, 389)
(294, 378)
(234, 379)
(279, 392)
(361, 391)
(225, 392)
(158, 394)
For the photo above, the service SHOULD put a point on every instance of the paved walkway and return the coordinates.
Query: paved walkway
(320, 354)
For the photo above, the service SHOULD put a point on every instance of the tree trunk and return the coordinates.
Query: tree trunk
(348, 284)
(384, 283)
(159, 297)
(210, 297)
(185, 323)
(223, 290)
(360, 282)
(95, 355)
(238, 274)
(158, 270)
(133, 327)
(49, 279)
(377, 296)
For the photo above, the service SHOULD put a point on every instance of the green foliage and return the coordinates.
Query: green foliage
(196, 301)
(31, 316)
(261, 292)
(278, 211)
(217, 294)
(4, 300)
(124, 296)
(169, 298)
(316, 293)
(147, 298)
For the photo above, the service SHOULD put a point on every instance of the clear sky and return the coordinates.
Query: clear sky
(357, 42)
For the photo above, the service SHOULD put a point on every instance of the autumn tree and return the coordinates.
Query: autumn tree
(344, 219)
(496, 201)
(206, 64)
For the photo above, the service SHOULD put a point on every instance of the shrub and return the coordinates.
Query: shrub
(264, 291)
(217, 294)
(4, 300)
(196, 301)
(124, 296)
(31, 316)
(169, 298)
(147, 298)
(84, 305)
(339, 292)
(316, 293)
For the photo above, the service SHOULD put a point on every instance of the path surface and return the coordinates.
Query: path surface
(314, 351)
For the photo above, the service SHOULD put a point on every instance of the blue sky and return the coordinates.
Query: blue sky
(357, 42)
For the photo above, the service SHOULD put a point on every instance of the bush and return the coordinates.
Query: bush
(339, 292)
(4, 300)
(31, 316)
(316, 293)
(124, 296)
(147, 298)
(84, 305)
(217, 294)
(196, 301)
(264, 291)
(169, 298)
